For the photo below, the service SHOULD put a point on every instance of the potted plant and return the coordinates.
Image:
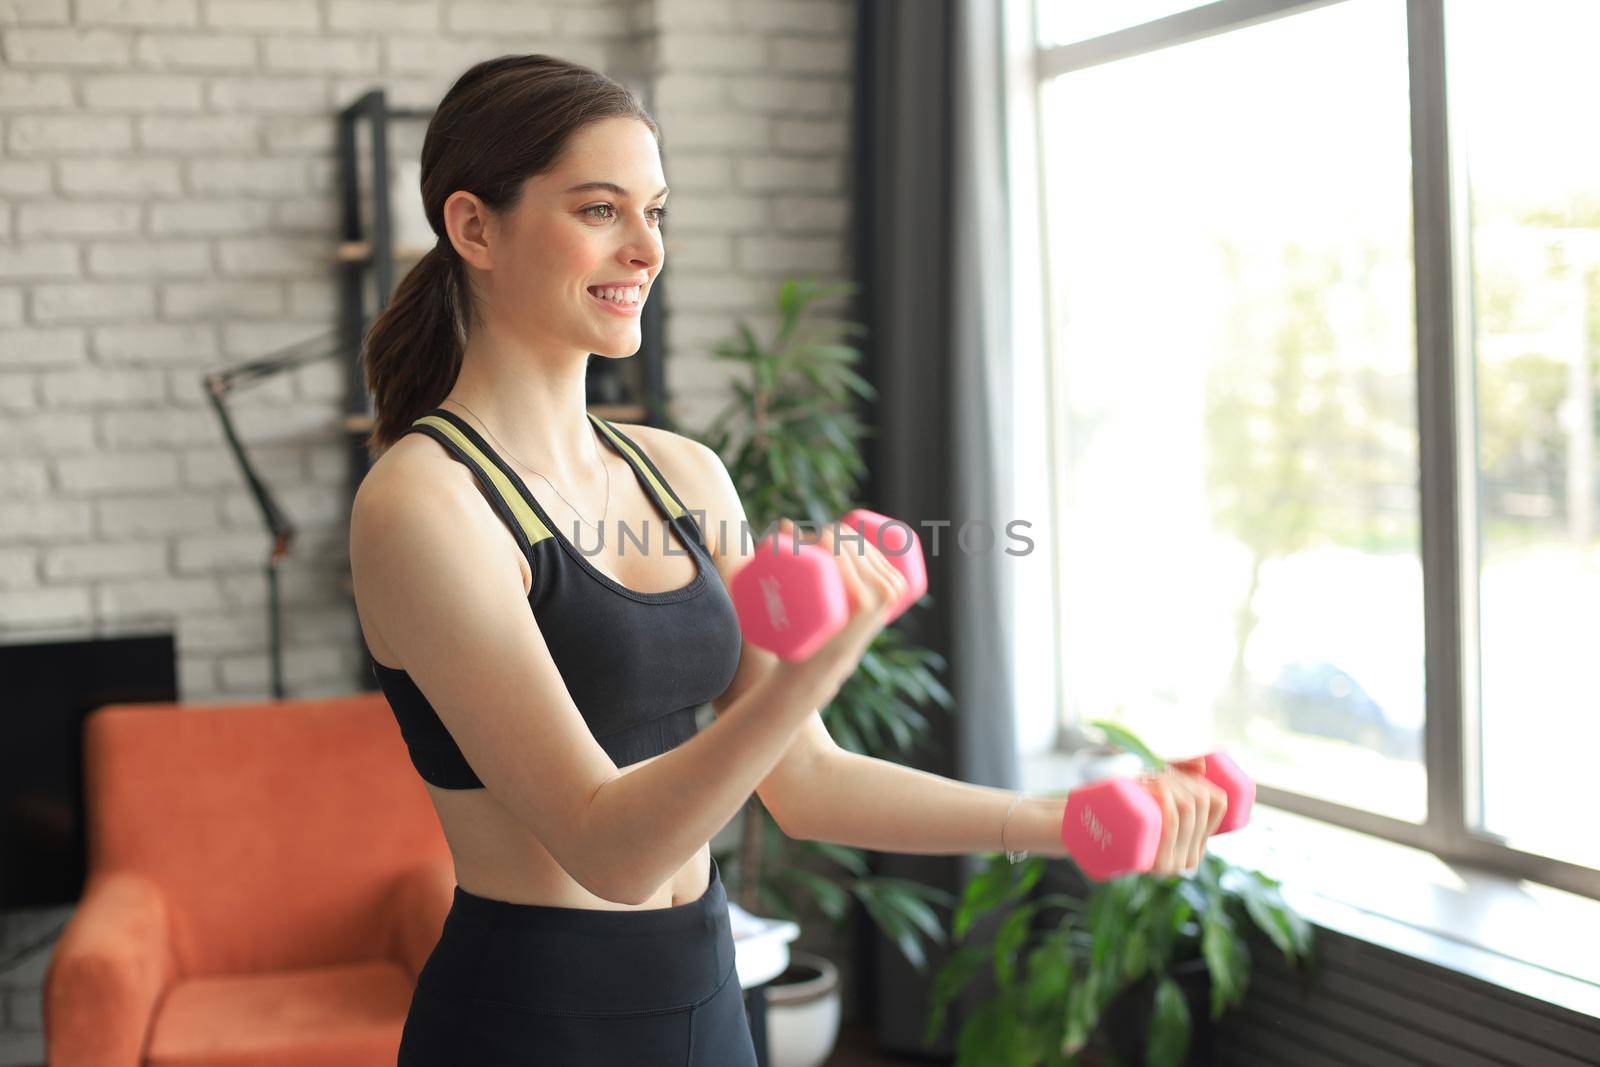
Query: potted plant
(790, 442)
(1080, 978)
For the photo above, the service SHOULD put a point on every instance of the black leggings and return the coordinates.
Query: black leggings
(540, 986)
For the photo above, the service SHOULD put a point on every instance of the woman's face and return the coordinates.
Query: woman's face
(560, 245)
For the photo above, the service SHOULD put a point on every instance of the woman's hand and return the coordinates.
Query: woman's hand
(873, 586)
(1191, 810)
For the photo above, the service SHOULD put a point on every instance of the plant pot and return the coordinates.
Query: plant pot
(1125, 1026)
(803, 1012)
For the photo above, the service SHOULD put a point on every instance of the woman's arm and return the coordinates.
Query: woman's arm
(866, 802)
(653, 815)
(820, 791)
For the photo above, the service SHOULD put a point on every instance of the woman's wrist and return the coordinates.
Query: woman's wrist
(1032, 824)
(805, 682)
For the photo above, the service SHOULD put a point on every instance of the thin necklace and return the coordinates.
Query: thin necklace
(547, 481)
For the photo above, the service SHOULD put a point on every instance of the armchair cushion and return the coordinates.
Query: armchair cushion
(317, 1017)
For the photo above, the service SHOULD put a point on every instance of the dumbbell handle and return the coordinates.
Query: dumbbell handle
(1113, 827)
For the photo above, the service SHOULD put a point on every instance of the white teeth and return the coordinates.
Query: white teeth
(628, 295)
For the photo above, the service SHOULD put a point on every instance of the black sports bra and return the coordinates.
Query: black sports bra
(638, 665)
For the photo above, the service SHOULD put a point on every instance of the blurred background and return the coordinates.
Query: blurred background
(1272, 323)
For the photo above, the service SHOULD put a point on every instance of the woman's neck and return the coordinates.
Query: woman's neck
(541, 422)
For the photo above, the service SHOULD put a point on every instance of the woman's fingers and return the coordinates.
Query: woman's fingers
(864, 588)
(1219, 804)
(1187, 838)
(1202, 818)
(1164, 867)
(880, 561)
(1217, 800)
(1186, 812)
(874, 586)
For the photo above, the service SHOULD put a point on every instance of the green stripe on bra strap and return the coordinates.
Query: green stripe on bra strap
(535, 530)
(667, 503)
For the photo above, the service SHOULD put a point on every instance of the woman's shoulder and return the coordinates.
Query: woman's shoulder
(686, 463)
(414, 468)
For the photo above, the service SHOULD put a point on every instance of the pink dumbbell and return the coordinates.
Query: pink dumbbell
(791, 598)
(1113, 827)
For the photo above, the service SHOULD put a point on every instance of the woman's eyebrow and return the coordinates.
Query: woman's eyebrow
(610, 187)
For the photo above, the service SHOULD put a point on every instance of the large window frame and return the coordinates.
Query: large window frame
(1446, 411)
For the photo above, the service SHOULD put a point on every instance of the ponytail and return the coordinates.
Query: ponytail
(412, 352)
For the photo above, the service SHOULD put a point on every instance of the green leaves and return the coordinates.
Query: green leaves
(1227, 958)
(949, 981)
(997, 1037)
(1008, 941)
(846, 857)
(1080, 1017)
(876, 709)
(791, 437)
(1116, 735)
(1047, 977)
(998, 883)
(1124, 937)
(1169, 1026)
(833, 901)
(898, 906)
(1265, 906)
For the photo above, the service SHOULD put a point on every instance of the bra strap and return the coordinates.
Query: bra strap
(665, 497)
(526, 526)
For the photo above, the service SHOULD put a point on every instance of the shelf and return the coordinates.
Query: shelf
(609, 412)
(361, 252)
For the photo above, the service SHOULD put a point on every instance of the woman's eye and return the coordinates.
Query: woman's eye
(659, 212)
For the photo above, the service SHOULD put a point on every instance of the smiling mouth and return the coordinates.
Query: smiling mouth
(618, 296)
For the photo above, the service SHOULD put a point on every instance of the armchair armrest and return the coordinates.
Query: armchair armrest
(417, 902)
(111, 965)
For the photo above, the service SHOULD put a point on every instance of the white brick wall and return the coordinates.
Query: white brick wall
(168, 205)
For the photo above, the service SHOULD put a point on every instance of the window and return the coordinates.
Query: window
(1525, 83)
(1266, 541)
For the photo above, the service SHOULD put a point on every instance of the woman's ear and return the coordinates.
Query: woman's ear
(470, 227)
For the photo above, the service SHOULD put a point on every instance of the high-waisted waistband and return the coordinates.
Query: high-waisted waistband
(584, 961)
(594, 920)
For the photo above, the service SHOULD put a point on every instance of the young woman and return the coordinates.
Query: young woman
(545, 654)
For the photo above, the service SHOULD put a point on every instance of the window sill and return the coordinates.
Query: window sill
(1519, 935)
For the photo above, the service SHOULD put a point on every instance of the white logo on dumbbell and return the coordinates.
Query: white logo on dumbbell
(1097, 829)
(771, 596)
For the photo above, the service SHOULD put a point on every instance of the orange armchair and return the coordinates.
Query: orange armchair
(264, 883)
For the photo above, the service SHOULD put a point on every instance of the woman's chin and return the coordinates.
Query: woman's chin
(610, 349)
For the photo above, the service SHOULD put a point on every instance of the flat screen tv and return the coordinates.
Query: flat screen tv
(46, 691)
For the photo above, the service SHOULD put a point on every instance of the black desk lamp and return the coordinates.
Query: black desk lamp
(218, 384)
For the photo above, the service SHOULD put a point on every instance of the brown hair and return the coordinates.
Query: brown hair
(503, 121)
